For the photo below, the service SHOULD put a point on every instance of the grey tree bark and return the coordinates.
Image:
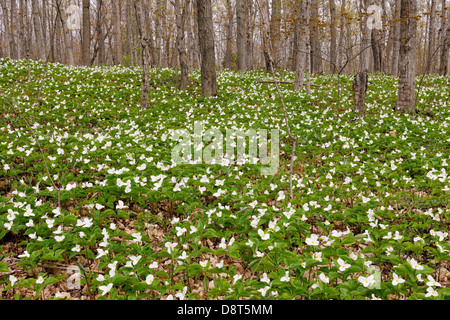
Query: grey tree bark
(444, 41)
(66, 34)
(249, 12)
(302, 59)
(13, 25)
(21, 33)
(227, 58)
(275, 32)
(145, 53)
(40, 44)
(117, 32)
(181, 43)
(333, 40)
(431, 38)
(396, 37)
(316, 55)
(207, 50)
(86, 39)
(407, 60)
(241, 34)
(6, 23)
(360, 80)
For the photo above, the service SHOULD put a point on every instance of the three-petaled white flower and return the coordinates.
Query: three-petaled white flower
(367, 281)
(263, 235)
(149, 279)
(342, 265)
(396, 280)
(313, 240)
(170, 246)
(106, 288)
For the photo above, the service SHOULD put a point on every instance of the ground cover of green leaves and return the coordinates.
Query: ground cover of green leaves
(369, 218)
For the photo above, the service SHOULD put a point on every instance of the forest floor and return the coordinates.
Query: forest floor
(93, 207)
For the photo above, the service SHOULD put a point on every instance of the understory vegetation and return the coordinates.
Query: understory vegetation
(87, 184)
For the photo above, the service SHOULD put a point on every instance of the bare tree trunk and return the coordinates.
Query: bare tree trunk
(445, 41)
(158, 32)
(360, 81)
(40, 44)
(145, 53)
(181, 44)
(196, 43)
(316, 55)
(151, 42)
(117, 33)
(376, 49)
(227, 58)
(206, 38)
(340, 49)
(249, 12)
(292, 62)
(407, 60)
(26, 33)
(431, 38)
(333, 40)
(67, 36)
(44, 21)
(101, 33)
(13, 26)
(267, 45)
(396, 37)
(6, 22)
(275, 31)
(241, 35)
(86, 40)
(21, 39)
(302, 59)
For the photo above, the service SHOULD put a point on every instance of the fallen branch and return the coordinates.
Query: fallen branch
(285, 82)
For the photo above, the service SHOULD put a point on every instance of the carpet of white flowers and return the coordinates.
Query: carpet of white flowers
(92, 207)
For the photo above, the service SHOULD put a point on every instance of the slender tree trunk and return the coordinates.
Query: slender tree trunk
(227, 58)
(265, 31)
(151, 42)
(117, 32)
(6, 22)
(407, 60)
(376, 40)
(145, 53)
(181, 44)
(376, 49)
(44, 21)
(340, 49)
(21, 39)
(241, 35)
(249, 13)
(206, 38)
(67, 36)
(101, 33)
(360, 81)
(13, 25)
(275, 32)
(396, 37)
(196, 44)
(316, 55)
(333, 40)
(158, 32)
(445, 41)
(40, 44)
(431, 38)
(86, 40)
(302, 58)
